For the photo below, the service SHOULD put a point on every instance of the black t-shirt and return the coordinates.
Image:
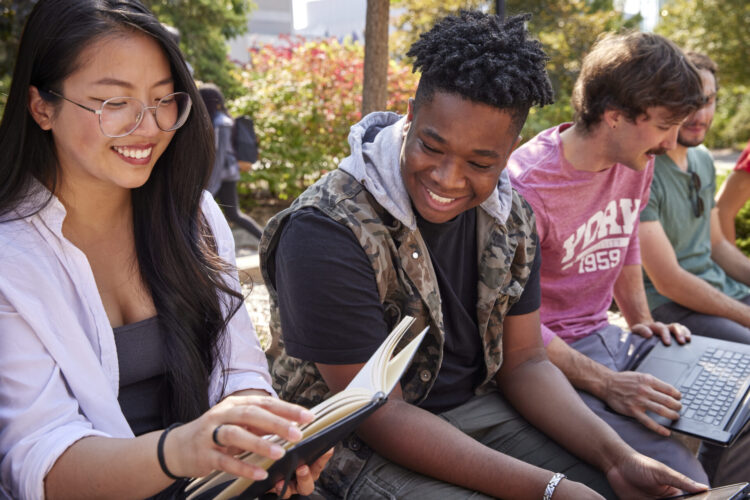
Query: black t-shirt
(331, 312)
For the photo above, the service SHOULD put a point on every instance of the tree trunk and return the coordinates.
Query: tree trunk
(375, 88)
(500, 8)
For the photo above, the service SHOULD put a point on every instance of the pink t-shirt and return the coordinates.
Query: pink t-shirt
(588, 230)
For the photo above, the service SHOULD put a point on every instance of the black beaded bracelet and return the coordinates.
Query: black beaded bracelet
(160, 451)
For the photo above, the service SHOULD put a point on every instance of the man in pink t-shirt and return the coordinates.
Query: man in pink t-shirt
(587, 183)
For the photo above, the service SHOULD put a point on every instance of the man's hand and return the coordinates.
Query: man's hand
(632, 394)
(664, 332)
(637, 476)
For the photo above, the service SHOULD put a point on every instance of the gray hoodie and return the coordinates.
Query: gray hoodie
(375, 161)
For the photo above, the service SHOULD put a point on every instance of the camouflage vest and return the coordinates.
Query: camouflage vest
(506, 253)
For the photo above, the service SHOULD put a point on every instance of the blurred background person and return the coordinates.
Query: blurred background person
(226, 172)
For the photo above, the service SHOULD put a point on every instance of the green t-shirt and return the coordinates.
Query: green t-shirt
(671, 204)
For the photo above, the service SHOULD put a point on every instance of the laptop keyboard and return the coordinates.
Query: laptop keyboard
(713, 384)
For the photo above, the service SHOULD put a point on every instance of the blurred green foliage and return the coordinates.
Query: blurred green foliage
(566, 28)
(12, 16)
(741, 225)
(304, 96)
(721, 30)
(205, 25)
(742, 228)
(731, 126)
(741, 222)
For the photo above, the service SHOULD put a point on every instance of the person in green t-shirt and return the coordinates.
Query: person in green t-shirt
(693, 274)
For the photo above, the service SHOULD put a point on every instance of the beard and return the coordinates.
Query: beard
(682, 141)
(656, 151)
(688, 142)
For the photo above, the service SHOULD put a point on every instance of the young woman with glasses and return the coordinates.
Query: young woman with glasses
(120, 311)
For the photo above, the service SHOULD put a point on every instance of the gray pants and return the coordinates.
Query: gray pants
(613, 348)
(490, 420)
(705, 325)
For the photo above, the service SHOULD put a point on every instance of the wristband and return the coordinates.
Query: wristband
(553, 482)
(160, 452)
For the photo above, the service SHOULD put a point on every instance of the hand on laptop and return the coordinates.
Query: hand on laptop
(648, 329)
(632, 394)
(638, 476)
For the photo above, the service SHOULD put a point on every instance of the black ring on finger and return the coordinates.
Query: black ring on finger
(215, 436)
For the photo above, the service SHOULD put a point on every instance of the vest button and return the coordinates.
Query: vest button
(425, 375)
(415, 255)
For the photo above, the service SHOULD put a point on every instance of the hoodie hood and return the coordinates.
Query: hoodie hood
(375, 161)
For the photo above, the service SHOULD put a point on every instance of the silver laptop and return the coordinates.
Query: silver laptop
(714, 379)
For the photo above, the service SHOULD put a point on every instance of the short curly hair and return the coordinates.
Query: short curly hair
(483, 59)
(632, 72)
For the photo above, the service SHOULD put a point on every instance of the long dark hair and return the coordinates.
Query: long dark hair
(176, 251)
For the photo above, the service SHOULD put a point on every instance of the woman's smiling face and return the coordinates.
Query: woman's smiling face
(128, 64)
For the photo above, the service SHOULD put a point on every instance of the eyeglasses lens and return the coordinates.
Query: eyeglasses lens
(121, 115)
(172, 111)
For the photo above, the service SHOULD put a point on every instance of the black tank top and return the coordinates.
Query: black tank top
(140, 355)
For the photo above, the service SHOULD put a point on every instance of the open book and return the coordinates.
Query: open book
(335, 418)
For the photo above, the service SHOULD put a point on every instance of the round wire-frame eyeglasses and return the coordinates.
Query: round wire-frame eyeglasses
(121, 116)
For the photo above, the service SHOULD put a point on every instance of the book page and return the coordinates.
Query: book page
(370, 377)
(396, 367)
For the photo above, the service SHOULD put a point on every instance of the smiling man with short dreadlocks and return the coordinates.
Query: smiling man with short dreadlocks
(421, 220)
